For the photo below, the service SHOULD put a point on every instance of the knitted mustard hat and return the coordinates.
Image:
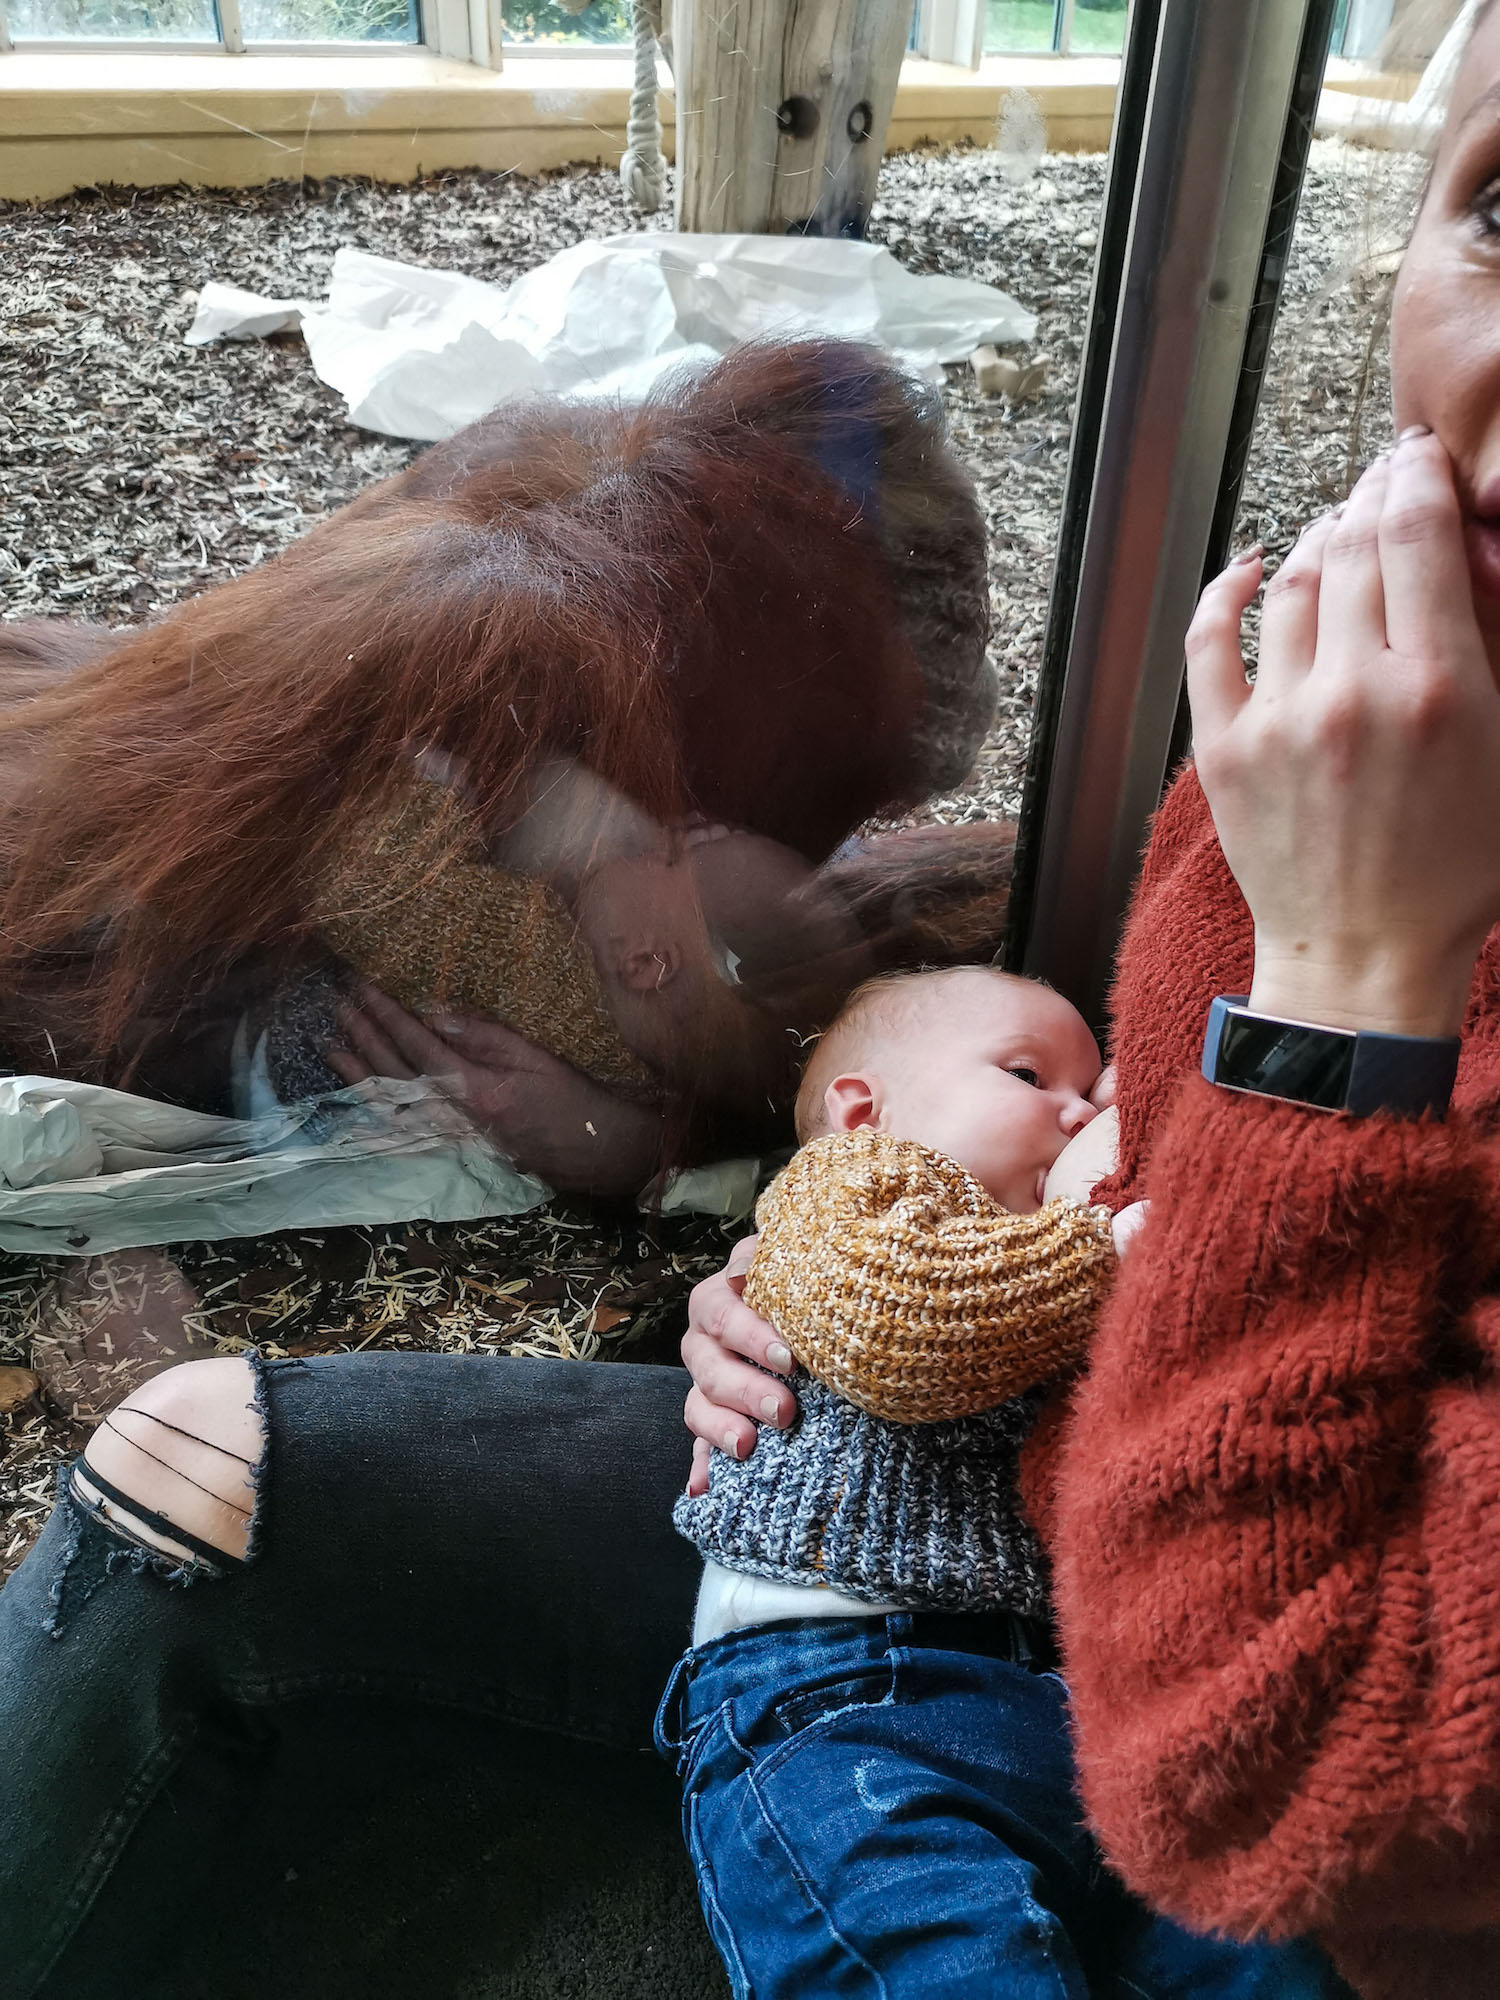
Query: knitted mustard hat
(897, 1280)
(412, 904)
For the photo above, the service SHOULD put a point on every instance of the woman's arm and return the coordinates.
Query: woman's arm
(1275, 1515)
(1277, 1521)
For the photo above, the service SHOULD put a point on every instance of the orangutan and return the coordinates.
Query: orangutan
(755, 603)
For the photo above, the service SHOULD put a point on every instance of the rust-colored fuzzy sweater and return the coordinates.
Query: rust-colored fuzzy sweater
(1273, 1505)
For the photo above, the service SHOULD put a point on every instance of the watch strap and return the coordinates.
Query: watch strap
(1358, 1071)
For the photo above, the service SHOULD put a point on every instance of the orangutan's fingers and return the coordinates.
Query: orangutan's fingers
(366, 1040)
(345, 1064)
(424, 1053)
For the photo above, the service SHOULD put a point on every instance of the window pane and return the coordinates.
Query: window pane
(638, 741)
(1098, 27)
(330, 20)
(155, 20)
(1016, 26)
(549, 21)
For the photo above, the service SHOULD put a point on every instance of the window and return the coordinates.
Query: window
(550, 24)
(1058, 27)
(231, 24)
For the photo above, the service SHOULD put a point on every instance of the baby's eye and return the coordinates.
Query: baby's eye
(1025, 1074)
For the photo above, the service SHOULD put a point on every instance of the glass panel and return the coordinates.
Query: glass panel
(155, 20)
(632, 739)
(1016, 27)
(1098, 27)
(330, 20)
(551, 21)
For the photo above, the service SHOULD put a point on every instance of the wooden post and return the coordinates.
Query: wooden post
(782, 110)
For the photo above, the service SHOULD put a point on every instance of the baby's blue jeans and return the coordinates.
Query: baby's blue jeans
(886, 1806)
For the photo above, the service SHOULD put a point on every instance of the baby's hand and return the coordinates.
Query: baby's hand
(1086, 1159)
(1127, 1225)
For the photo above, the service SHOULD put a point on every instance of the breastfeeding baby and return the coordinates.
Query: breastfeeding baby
(871, 1734)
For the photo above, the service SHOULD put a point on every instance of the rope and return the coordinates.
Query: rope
(643, 171)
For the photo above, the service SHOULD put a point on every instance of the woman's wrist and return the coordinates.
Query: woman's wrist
(1382, 993)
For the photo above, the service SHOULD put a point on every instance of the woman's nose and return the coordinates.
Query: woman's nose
(1075, 1114)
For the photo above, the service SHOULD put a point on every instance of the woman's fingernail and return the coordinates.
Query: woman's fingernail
(732, 1444)
(445, 1024)
(779, 1356)
(1338, 512)
(1414, 431)
(770, 1409)
(1250, 555)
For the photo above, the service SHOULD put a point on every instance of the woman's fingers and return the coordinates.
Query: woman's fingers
(741, 1257)
(1217, 688)
(722, 1429)
(1289, 618)
(1351, 597)
(731, 1384)
(698, 1478)
(716, 1310)
(1429, 597)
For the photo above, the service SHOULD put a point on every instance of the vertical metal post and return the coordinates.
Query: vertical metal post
(1062, 27)
(1227, 109)
(231, 31)
(4, 30)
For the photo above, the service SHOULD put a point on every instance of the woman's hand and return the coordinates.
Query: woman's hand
(729, 1397)
(1356, 786)
(542, 1113)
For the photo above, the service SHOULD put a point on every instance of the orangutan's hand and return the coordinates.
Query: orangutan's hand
(542, 1113)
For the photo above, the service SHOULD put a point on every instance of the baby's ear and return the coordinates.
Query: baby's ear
(851, 1103)
(647, 966)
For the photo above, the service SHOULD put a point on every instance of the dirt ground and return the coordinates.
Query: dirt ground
(135, 471)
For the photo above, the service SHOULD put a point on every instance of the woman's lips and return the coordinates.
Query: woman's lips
(1482, 540)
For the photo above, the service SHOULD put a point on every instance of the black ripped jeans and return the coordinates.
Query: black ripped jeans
(462, 1567)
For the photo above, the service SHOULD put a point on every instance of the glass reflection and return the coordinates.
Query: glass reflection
(540, 770)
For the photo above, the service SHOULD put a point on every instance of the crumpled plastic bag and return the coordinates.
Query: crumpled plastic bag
(419, 353)
(84, 1170)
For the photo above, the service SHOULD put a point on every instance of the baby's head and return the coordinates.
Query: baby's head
(993, 1070)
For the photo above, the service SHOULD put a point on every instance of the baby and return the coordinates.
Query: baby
(878, 1782)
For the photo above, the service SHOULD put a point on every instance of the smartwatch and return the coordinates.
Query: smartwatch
(1327, 1069)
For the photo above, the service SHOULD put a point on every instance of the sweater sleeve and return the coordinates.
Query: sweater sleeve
(895, 1279)
(1275, 1517)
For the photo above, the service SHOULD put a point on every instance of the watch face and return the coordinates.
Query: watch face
(1283, 1059)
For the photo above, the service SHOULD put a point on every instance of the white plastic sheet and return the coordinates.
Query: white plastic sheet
(84, 1170)
(419, 353)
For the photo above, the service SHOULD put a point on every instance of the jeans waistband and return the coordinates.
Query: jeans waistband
(707, 1675)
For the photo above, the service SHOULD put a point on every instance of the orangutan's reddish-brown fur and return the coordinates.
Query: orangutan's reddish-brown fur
(695, 598)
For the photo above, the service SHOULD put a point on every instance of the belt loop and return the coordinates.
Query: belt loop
(673, 1730)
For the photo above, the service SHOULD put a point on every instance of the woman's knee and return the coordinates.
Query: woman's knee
(183, 1448)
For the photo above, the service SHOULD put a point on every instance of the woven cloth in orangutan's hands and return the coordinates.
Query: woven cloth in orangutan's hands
(411, 903)
(894, 1278)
